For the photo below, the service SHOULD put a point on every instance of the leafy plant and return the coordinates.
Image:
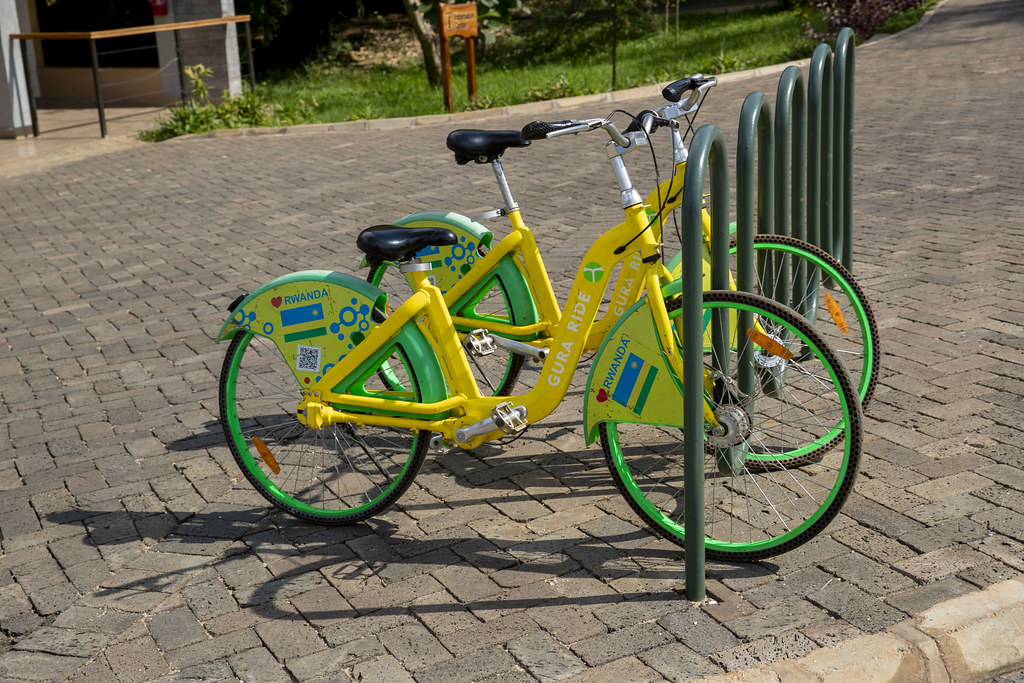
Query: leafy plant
(558, 88)
(248, 110)
(823, 19)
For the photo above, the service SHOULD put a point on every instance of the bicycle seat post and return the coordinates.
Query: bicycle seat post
(506, 192)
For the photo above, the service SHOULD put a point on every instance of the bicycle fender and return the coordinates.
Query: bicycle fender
(450, 263)
(315, 317)
(630, 379)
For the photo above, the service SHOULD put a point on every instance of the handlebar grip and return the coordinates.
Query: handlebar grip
(538, 130)
(673, 92)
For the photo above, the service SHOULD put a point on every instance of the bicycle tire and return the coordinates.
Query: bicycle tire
(497, 372)
(340, 474)
(751, 512)
(849, 325)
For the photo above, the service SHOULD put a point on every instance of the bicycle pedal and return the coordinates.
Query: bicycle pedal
(509, 418)
(440, 444)
(480, 343)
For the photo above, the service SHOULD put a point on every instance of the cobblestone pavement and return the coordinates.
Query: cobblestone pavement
(132, 548)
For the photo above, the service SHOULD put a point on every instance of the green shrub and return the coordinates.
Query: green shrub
(248, 110)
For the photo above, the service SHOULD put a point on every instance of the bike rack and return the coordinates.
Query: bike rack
(707, 154)
(804, 188)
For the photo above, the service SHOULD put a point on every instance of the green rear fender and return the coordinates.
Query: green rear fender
(315, 317)
(450, 263)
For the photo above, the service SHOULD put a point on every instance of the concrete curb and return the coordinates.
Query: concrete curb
(969, 638)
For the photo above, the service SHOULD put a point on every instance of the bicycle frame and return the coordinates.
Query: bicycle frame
(571, 333)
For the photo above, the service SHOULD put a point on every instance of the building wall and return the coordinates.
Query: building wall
(215, 47)
(15, 116)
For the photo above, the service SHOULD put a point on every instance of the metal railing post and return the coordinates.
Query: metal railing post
(98, 85)
(842, 221)
(181, 67)
(28, 88)
(707, 152)
(819, 149)
(252, 64)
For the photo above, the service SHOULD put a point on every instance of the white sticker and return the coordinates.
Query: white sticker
(307, 359)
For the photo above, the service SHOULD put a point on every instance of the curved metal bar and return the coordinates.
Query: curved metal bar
(707, 155)
(791, 154)
(842, 215)
(819, 149)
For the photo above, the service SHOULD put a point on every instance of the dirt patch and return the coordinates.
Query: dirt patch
(385, 41)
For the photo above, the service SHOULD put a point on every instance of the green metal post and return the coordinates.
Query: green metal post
(844, 67)
(790, 179)
(755, 135)
(98, 85)
(819, 154)
(791, 155)
(707, 151)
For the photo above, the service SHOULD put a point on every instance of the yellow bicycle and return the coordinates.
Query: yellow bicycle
(790, 271)
(330, 397)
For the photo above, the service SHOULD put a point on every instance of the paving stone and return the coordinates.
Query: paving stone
(496, 631)
(625, 669)
(859, 608)
(60, 641)
(38, 666)
(333, 662)
(95, 619)
(384, 668)
(623, 643)
(771, 648)
(214, 649)
(415, 646)
(493, 663)
(136, 660)
(176, 628)
(678, 663)
(941, 563)
(544, 657)
(208, 599)
(920, 598)
(289, 637)
(259, 665)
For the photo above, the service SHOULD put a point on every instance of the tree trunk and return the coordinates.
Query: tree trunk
(427, 36)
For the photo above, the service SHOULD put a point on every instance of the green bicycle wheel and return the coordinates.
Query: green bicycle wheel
(757, 502)
(807, 279)
(340, 474)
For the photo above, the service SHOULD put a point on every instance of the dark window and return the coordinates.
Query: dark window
(97, 15)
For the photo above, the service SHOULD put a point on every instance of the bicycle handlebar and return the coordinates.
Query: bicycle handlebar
(673, 92)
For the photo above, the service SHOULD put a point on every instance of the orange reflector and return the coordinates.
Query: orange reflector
(836, 313)
(265, 453)
(768, 344)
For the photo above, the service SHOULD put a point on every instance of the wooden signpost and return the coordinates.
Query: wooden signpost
(457, 20)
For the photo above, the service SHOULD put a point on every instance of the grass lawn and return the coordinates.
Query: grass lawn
(517, 71)
(539, 60)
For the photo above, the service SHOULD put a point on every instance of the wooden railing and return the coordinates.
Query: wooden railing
(93, 36)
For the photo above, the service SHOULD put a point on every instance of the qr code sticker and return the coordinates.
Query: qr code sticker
(308, 359)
